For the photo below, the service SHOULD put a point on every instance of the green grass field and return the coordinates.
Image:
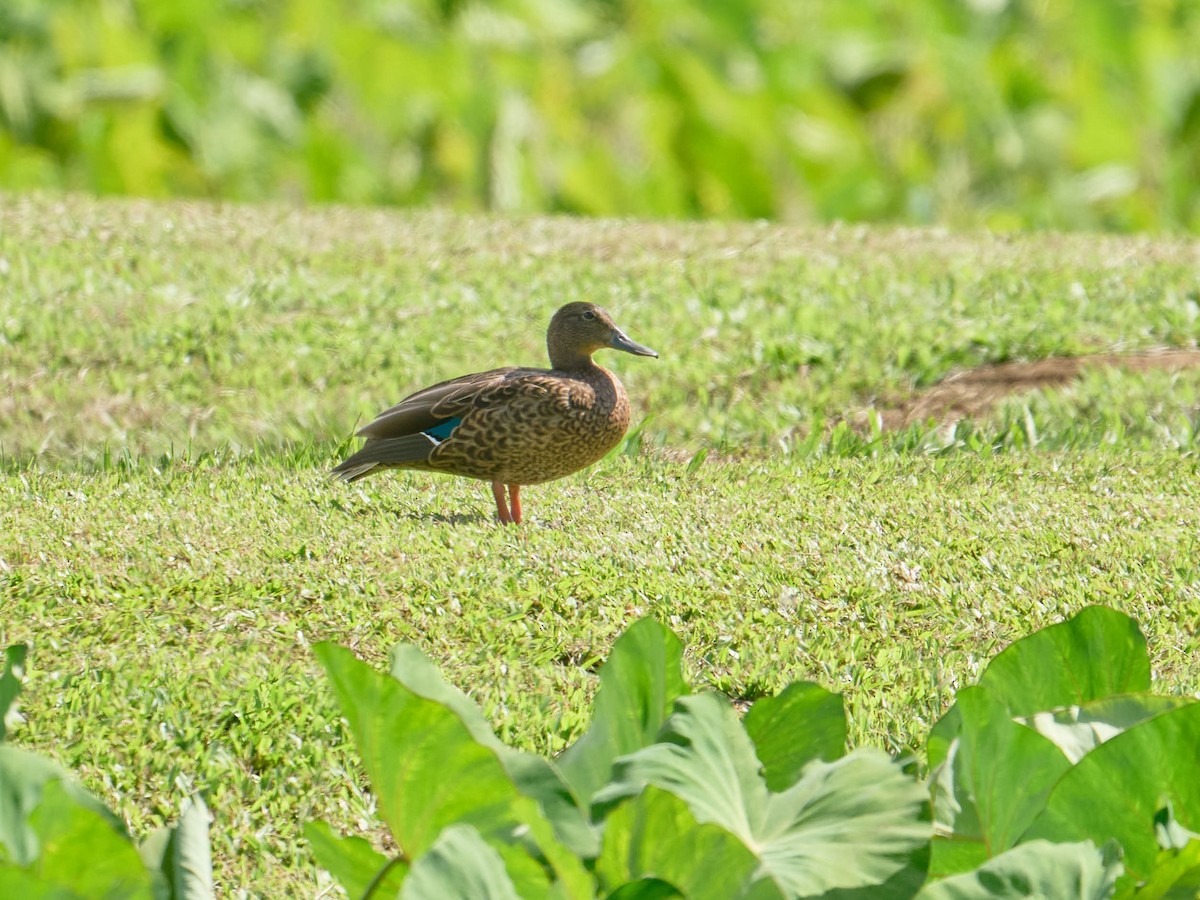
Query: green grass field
(177, 379)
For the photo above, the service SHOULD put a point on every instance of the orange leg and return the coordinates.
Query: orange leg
(514, 493)
(502, 504)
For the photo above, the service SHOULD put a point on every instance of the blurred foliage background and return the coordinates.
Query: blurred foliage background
(1004, 113)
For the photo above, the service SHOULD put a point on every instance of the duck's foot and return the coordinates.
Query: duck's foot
(508, 515)
(514, 498)
(502, 512)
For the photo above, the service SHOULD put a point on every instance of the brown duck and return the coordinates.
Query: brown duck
(511, 426)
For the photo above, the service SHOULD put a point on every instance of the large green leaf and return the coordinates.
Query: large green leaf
(942, 738)
(802, 723)
(23, 777)
(1118, 788)
(639, 684)
(428, 772)
(854, 824)
(1096, 654)
(459, 866)
(533, 775)
(353, 861)
(1038, 870)
(656, 836)
(993, 783)
(182, 854)
(1169, 832)
(1176, 875)
(646, 889)
(1077, 730)
(425, 767)
(532, 881)
(16, 882)
(83, 852)
(10, 682)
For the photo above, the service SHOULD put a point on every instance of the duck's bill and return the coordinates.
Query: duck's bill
(621, 342)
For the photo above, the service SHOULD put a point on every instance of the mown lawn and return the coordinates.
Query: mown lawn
(177, 378)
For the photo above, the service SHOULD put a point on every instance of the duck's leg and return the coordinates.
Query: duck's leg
(501, 503)
(514, 494)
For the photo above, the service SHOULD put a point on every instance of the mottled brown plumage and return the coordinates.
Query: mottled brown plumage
(511, 426)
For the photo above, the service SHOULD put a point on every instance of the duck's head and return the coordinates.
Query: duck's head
(580, 329)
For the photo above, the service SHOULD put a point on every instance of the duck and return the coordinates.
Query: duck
(511, 426)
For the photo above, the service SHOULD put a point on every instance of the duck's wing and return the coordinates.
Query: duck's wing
(410, 431)
(433, 405)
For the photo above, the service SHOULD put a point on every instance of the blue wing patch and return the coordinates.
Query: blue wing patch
(441, 430)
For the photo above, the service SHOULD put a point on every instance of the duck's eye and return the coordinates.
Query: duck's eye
(588, 314)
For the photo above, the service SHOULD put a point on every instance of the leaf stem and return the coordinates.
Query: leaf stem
(382, 874)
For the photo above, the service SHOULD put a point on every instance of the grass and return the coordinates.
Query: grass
(178, 378)
(170, 328)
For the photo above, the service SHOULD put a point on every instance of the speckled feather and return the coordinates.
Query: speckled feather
(516, 425)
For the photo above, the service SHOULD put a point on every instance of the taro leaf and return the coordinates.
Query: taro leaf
(1077, 730)
(23, 775)
(182, 854)
(655, 836)
(1176, 875)
(530, 880)
(1038, 869)
(639, 685)
(856, 824)
(460, 865)
(27, 886)
(1117, 789)
(1096, 654)
(1169, 832)
(353, 861)
(82, 852)
(646, 889)
(993, 783)
(534, 776)
(425, 768)
(428, 772)
(10, 682)
(942, 737)
(802, 723)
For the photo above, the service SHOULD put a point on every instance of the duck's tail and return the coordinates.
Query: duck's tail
(385, 453)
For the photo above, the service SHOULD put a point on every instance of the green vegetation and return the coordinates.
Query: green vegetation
(968, 113)
(177, 379)
(1054, 777)
(654, 761)
(59, 841)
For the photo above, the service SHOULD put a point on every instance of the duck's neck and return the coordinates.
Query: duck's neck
(569, 359)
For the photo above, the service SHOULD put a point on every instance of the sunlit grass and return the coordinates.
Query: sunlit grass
(155, 329)
(171, 612)
(178, 379)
